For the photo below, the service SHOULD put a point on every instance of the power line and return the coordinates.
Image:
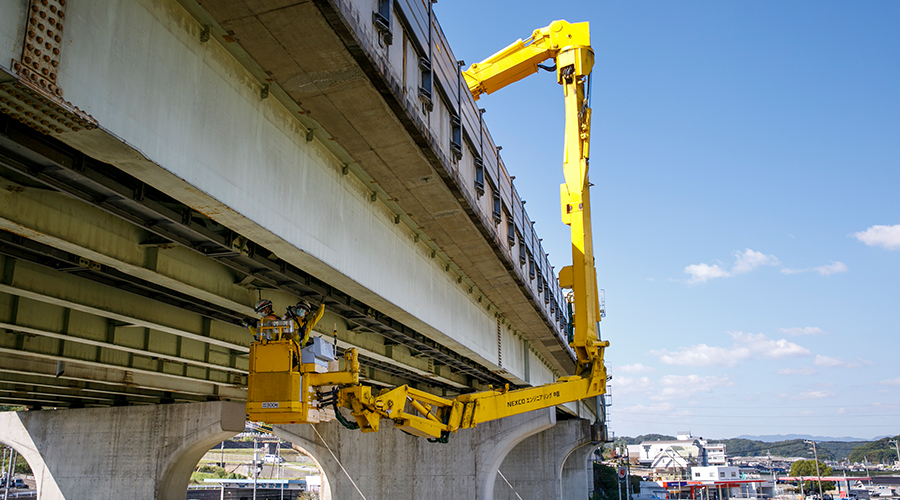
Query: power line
(667, 415)
(668, 420)
(758, 407)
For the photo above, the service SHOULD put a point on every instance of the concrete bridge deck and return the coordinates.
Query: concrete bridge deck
(226, 152)
(166, 163)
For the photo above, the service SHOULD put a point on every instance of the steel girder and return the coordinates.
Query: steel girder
(37, 161)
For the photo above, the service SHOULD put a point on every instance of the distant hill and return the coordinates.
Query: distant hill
(739, 447)
(773, 438)
(643, 437)
(876, 451)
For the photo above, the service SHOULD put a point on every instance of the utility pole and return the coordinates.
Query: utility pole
(894, 442)
(13, 458)
(818, 475)
(255, 468)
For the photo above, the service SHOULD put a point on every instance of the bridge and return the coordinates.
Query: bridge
(166, 163)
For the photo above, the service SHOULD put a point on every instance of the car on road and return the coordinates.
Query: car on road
(16, 483)
(272, 459)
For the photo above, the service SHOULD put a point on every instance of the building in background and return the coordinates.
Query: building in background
(673, 459)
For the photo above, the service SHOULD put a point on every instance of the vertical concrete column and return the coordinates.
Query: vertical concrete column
(135, 452)
(390, 464)
(534, 468)
(578, 473)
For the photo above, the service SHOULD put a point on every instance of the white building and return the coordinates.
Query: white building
(683, 452)
(715, 473)
(715, 454)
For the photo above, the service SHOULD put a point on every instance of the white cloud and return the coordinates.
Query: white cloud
(659, 408)
(744, 262)
(882, 236)
(682, 387)
(701, 355)
(827, 270)
(701, 273)
(744, 346)
(893, 381)
(859, 363)
(815, 395)
(626, 385)
(806, 370)
(635, 368)
(750, 260)
(827, 361)
(769, 348)
(667, 387)
(806, 330)
(833, 268)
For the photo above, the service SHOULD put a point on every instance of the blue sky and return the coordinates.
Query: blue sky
(744, 156)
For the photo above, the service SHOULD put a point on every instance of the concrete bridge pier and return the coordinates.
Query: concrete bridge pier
(134, 452)
(390, 464)
(549, 465)
(578, 473)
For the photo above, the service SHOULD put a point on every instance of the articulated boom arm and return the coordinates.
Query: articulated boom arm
(570, 47)
(522, 58)
(279, 370)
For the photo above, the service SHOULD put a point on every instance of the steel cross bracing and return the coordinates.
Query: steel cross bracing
(36, 160)
(24, 249)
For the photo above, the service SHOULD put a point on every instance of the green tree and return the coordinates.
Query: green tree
(808, 468)
(880, 451)
(605, 482)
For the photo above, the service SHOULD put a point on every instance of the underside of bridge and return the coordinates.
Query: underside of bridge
(164, 164)
(115, 290)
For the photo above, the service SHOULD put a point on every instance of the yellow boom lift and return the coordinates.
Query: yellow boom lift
(289, 383)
